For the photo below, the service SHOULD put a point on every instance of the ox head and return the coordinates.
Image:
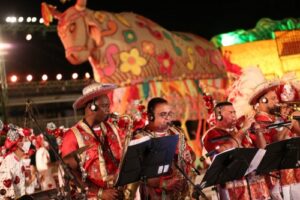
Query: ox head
(76, 29)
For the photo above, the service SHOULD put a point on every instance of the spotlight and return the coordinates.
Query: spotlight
(28, 37)
(20, 19)
(13, 19)
(34, 19)
(8, 19)
(29, 77)
(58, 77)
(74, 76)
(87, 75)
(28, 19)
(13, 78)
(44, 77)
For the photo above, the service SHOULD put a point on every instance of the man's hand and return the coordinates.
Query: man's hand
(110, 194)
(174, 184)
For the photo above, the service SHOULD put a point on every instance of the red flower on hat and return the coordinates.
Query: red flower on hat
(17, 180)
(7, 183)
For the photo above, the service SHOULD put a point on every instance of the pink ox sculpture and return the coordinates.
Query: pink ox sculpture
(129, 48)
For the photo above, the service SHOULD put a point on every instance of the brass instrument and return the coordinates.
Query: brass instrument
(130, 189)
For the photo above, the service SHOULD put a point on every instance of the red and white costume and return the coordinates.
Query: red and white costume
(95, 161)
(12, 177)
(12, 169)
(182, 152)
(236, 189)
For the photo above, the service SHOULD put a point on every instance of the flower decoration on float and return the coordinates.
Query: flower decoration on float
(210, 104)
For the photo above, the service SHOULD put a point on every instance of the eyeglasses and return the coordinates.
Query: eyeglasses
(166, 114)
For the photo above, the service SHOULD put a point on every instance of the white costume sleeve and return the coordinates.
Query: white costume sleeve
(6, 180)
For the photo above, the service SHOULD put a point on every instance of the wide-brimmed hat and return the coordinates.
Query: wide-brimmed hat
(91, 92)
(262, 89)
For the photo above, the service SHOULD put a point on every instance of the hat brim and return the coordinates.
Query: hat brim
(263, 89)
(82, 100)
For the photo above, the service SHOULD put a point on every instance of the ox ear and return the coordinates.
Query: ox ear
(80, 5)
(48, 12)
(95, 33)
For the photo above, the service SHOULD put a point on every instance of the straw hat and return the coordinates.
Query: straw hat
(92, 91)
(261, 89)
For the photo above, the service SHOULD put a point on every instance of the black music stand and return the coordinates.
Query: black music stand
(284, 154)
(149, 158)
(232, 165)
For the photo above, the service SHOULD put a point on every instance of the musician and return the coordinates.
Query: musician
(12, 169)
(171, 186)
(266, 103)
(223, 136)
(99, 163)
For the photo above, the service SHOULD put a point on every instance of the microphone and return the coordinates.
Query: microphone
(209, 154)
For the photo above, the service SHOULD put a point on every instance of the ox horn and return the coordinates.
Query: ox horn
(48, 12)
(80, 5)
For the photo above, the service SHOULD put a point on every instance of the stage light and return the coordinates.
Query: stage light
(13, 19)
(29, 77)
(74, 76)
(41, 20)
(28, 37)
(28, 19)
(13, 78)
(44, 77)
(33, 20)
(58, 77)
(8, 19)
(5, 46)
(20, 19)
(87, 75)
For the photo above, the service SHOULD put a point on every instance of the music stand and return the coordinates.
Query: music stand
(280, 155)
(147, 158)
(231, 165)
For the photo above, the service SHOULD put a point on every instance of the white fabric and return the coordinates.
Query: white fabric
(42, 159)
(289, 192)
(11, 170)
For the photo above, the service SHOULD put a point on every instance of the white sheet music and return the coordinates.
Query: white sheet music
(255, 161)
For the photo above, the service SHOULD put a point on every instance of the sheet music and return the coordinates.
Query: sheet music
(140, 140)
(255, 161)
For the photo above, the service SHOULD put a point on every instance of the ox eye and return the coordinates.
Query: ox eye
(72, 27)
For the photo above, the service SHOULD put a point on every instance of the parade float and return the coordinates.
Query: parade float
(273, 46)
(143, 58)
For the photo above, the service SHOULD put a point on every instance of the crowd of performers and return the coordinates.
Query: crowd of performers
(96, 167)
(102, 139)
(271, 102)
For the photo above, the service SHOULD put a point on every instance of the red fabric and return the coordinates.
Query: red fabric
(264, 119)
(91, 164)
(215, 133)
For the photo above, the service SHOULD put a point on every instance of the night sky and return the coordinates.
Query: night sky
(45, 53)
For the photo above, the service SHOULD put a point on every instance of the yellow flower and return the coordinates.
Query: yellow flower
(132, 61)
